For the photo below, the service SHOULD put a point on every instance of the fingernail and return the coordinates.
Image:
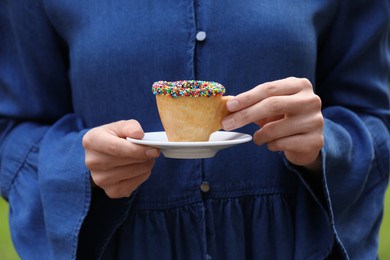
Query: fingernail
(232, 105)
(228, 123)
(151, 153)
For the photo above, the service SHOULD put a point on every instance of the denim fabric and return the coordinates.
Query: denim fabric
(67, 66)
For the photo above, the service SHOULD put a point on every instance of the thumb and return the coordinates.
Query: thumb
(129, 128)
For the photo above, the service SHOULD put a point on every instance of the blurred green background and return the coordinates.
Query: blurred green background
(8, 253)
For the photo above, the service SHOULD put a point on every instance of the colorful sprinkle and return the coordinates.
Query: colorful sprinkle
(188, 88)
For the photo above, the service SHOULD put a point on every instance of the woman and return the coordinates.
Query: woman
(76, 80)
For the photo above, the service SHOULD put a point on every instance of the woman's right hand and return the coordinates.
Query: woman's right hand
(116, 165)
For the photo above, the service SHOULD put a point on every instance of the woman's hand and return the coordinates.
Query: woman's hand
(116, 165)
(289, 114)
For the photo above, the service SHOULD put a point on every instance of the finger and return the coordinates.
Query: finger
(130, 128)
(298, 145)
(283, 87)
(97, 161)
(309, 160)
(101, 136)
(289, 126)
(267, 120)
(118, 174)
(98, 141)
(272, 107)
(126, 187)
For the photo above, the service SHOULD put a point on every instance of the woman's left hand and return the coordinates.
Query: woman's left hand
(290, 119)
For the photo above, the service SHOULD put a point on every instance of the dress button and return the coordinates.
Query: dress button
(204, 186)
(201, 36)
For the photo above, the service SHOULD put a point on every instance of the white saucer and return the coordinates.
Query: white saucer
(192, 150)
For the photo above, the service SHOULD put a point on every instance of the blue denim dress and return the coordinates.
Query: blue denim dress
(68, 66)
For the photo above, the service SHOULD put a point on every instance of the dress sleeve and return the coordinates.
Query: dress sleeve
(42, 170)
(53, 210)
(352, 81)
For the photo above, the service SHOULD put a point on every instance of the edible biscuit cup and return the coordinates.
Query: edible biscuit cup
(190, 111)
